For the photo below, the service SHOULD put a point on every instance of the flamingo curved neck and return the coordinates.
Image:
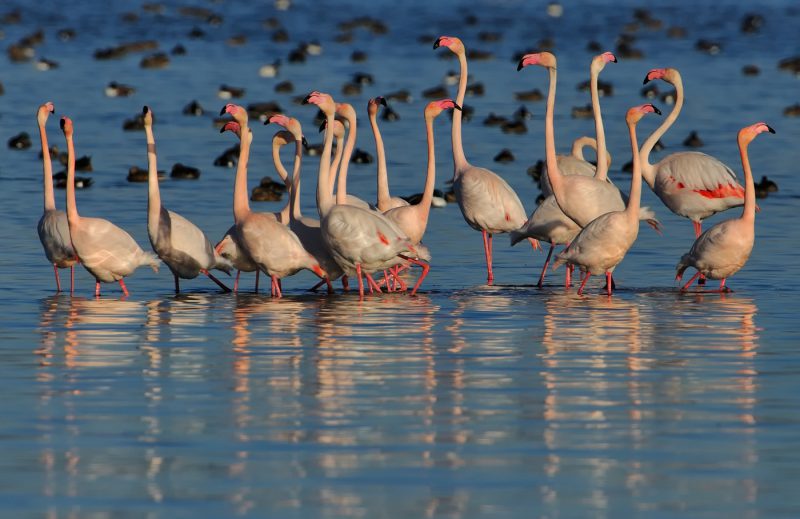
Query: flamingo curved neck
(153, 193)
(47, 169)
(276, 161)
(749, 211)
(601, 173)
(634, 199)
(430, 179)
(648, 170)
(337, 159)
(341, 185)
(383, 176)
(294, 195)
(72, 206)
(241, 205)
(553, 173)
(324, 192)
(459, 159)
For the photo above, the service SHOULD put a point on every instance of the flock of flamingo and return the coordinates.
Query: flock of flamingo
(582, 210)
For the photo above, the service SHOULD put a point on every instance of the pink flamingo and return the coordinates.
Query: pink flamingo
(361, 241)
(691, 184)
(385, 200)
(346, 111)
(487, 202)
(581, 198)
(603, 243)
(413, 219)
(575, 164)
(271, 245)
(306, 228)
(107, 252)
(180, 244)
(53, 226)
(722, 250)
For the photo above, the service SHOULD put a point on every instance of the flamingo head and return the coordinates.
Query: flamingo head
(282, 138)
(338, 128)
(451, 42)
(324, 101)
(238, 113)
(290, 123)
(670, 75)
(373, 104)
(434, 108)
(346, 110)
(748, 133)
(233, 127)
(44, 112)
(599, 61)
(543, 59)
(637, 112)
(66, 126)
(147, 115)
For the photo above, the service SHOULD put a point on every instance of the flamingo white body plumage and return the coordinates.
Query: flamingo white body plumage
(691, 184)
(723, 249)
(602, 244)
(488, 204)
(180, 244)
(105, 250)
(53, 227)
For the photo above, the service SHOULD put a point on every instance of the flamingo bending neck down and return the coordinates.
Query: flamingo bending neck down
(180, 244)
(105, 250)
(53, 227)
(360, 240)
(691, 184)
(722, 250)
(487, 202)
(385, 200)
(603, 243)
(272, 246)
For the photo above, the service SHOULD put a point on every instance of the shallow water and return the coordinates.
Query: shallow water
(467, 401)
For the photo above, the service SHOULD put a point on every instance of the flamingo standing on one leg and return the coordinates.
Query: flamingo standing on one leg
(107, 252)
(53, 226)
(602, 244)
(691, 184)
(271, 245)
(177, 241)
(361, 241)
(722, 250)
(487, 202)
(413, 219)
(385, 200)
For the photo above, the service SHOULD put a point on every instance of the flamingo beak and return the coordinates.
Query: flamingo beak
(769, 128)
(436, 43)
(305, 143)
(305, 100)
(145, 109)
(323, 126)
(382, 101)
(222, 112)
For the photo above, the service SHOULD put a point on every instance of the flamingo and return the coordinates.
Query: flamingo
(487, 202)
(582, 142)
(385, 201)
(360, 240)
(272, 246)
(413, 219)
(347, 111)
(603, 243)
(722, 250)
(575, 164)
(107, 252)
(581, 198)
(306, 228)
(180, 244)
(53, 226)
(691, 184)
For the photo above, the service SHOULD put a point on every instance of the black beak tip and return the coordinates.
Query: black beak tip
(222, 112)
(646, 80)
(519, 66)
(222, 130)
(61, 123)
(382, 101)
(455, 106)
(145, 109)
(266, 122)
(770, 129)
(656, 110)
(305, 142)
(436, 44)
(322, 126)
(305, 100)
(615, 59)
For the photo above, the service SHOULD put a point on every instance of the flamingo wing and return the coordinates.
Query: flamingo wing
(488, 202)
(700, 173)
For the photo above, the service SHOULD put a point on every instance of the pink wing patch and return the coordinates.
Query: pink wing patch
(384, 240)
(729, 190)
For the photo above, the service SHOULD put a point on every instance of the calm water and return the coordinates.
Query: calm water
(467, 401)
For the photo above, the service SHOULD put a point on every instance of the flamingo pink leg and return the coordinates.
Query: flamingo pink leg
(425, 268)
(219, 283)
(609, 283)
(722, 287)
(568, 277)
(276, 287)
(583, 283)
(684, 287)
(698, 230)
(123, 287)
(236, 282)
(389, 287)
(58, 280)
(177, 284)
(487, 250)
(546, 263)
(97, 289)
(257, 274)
(360, 281)
(372, 285)
(330, 287)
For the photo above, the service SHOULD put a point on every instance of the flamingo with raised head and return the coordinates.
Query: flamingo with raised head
(602, 244)
(53, 227)
(487, 202)
(575, 164)
(385, 200)
(180, 244)
(272, 246)
(690, 183)
(306, 228)
(348, 113)
(722, 250)
(581, 198)
(361, 241)
(105, 250)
